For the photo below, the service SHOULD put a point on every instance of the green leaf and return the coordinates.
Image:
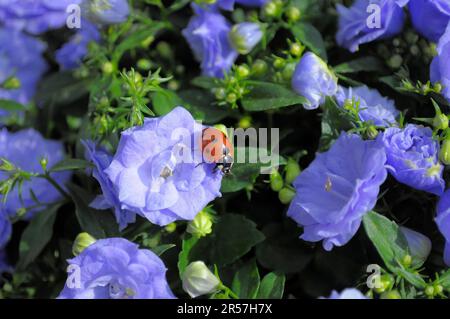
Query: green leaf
(366, 64)
(70, 164)
(246, 281)
(245, 174)
(392, 245)
(205, 82)
(233, 237)
(11, 106)
(444, 280)
(61, 88)
(100, 224)
(311, 38)
(265, 96)
(36, 236)
(184, 257)
(197, 102)
(135, 39)
(272, 286)
(161, 249)
(164, 101)
(282, 251)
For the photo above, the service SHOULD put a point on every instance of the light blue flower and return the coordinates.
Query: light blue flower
(357, 27)
(156, 173)
(116, 268)
(245, 36)
(430, 17)
(349, 293)
(440, 66)
(412, 158)
(208, 36)
(337, 189)
(313, 80)
(373, 106)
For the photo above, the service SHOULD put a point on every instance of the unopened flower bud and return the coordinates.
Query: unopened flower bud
(440, 121)
(201, 226)
(296, 49)
(293, 14)
(245, 36)
(276, 181)
(198, 280)
(286, 195)
(273, 8)
(44, 163)
(419, 246)
(243, 71)
(393, 294)
(107, 68)
(245, 122)
(6, 165)
(82, 241)
(259, 68)
(171, 228)
(292, 171)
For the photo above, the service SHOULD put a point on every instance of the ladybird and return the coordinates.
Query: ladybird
(216, 148)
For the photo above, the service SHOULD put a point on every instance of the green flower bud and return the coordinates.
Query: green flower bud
(348, 104)
(440, 122)
(407, 260)
(286, 195)
(201, 226)
(429, 291)
(220, 93)
(444, 154)
(243, 71)
(82, 241)
(395, 61)
(386, 283)
(144, 64)
(231, 98)
(44, 163)
(296, 49)
(164, 50)
(259, 68)
(279, 63)
(393, 294)
(245, 122)
(437, 87)
(288, 71)
(198, 280)
(6, 186)
(107, 68)
(292, 171)
(273, 8)
(276, 181)
(11, 83)
(293, 14)
(21, 212)
(171, 228)
(372, 132)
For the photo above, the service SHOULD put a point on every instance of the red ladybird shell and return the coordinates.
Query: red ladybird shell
(213, 143)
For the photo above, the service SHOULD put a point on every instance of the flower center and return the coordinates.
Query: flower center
(117, 291)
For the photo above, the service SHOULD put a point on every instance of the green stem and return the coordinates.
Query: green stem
(47, 177)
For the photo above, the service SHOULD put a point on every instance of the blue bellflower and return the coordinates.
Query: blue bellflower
(337, 189)
(208, 36)
(116, 268)
(156, 173)
(373, 106)
(412, 158)
(361, 24)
